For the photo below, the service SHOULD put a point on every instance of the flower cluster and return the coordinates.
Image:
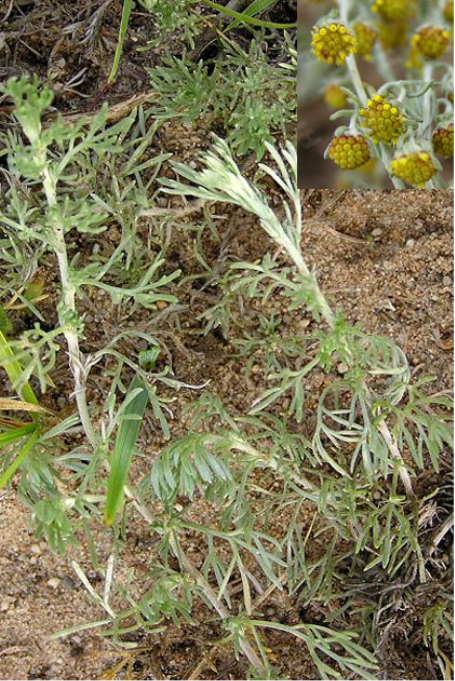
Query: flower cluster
(366, 37)
(333, 43)
(431, 42)
(402, 99)
(394, 10)
(447, 12)
(349, 151)
(385, 122)
(443, 141)
(415, 168)
(335, 97)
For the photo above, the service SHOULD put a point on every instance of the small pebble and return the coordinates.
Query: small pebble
(53, 583)
(68, 582)
(141, 344)
(303, 324)
(410, 243)
(35, 549)
(342, 368)
(447, 281)
(376, 232)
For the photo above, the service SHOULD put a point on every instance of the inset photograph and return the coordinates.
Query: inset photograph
(375, 94)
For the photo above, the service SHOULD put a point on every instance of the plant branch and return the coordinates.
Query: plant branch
(396, 454)
(441, 533)
(68, 307)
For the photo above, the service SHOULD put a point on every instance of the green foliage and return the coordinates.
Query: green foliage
(126, 10)
(130, 418)
(250, 97)
(170, 17)
(248, 491)
(6, 325)
(438, 618)
(64, 180)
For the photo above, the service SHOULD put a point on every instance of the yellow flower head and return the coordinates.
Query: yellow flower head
(443, 141)
(349, 151)
(415, 168)
(366, 38)
(333, 43)
(431, 41)
(385, 121)
(335, 97)
(392, 35)
(394, 10)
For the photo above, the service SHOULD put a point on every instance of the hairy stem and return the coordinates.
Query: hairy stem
(68, 306)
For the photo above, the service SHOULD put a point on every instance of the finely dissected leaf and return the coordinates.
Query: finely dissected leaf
(131, 419)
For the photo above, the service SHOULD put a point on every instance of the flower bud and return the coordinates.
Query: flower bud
(443, 141)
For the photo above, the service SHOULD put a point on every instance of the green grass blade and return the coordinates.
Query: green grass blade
(256, 7)
(14, 372)
(245, 18)
(124, 445)
(126, 11)
(16, 434)
(8, 474)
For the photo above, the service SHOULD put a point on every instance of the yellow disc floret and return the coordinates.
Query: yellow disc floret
(333, 43)
(386, 122)
(394, 10)
(443, 141)
(366, 38)
(415, 168)
(349, 151)
(431, 41)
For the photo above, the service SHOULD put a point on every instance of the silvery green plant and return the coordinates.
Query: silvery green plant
(375, 428)
(54, 172)
(350, 467)
(405, 119)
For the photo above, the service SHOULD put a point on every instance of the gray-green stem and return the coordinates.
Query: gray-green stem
(69, 305)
